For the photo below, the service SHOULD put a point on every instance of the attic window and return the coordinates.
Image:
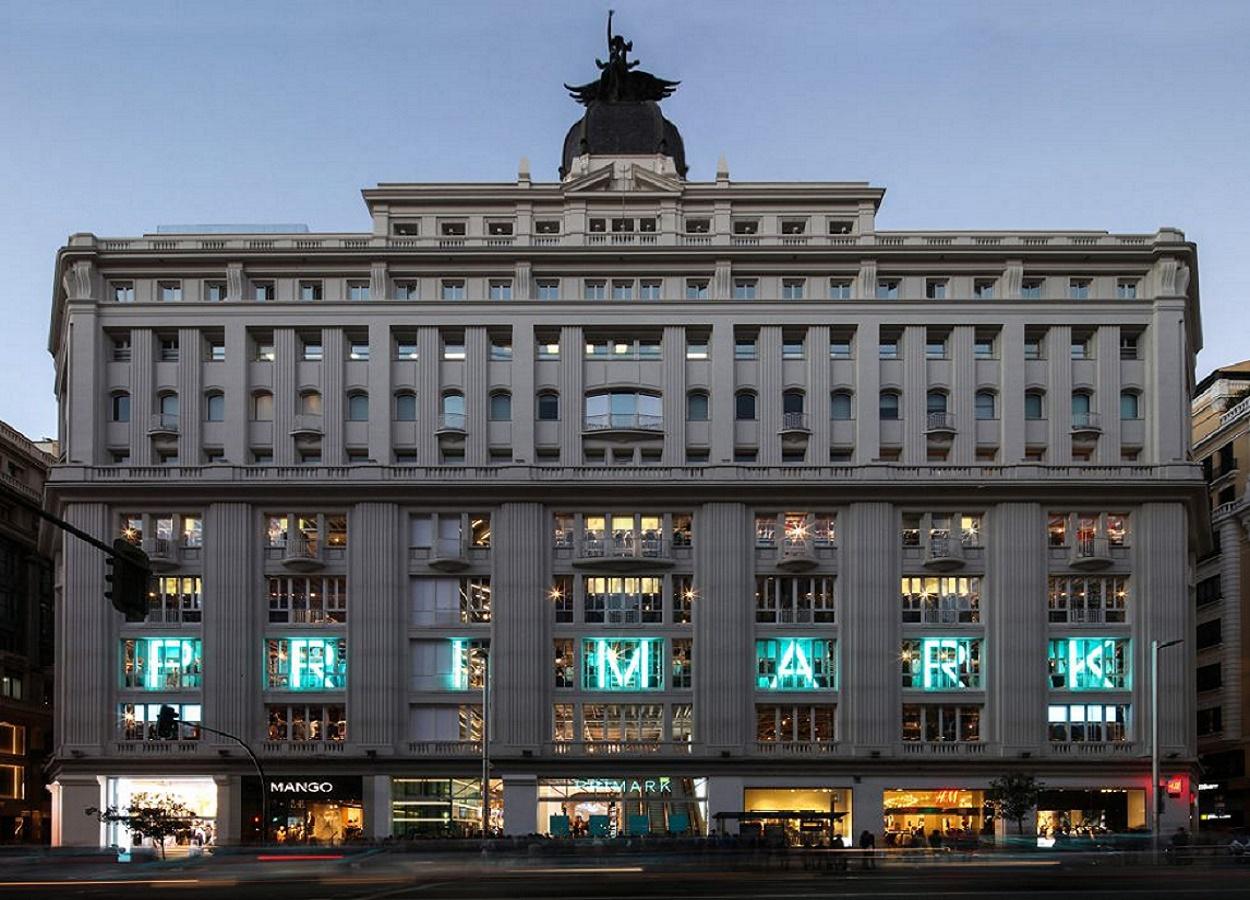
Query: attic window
(698, 226)
(547, 226)
(840, 226)
(408, 229)
(499, 229)
(794, 226)
(598, 225)
(452, 229)
(747, 226)
(646, 224)
(620, 225)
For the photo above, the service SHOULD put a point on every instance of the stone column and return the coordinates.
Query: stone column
(429, 393)
(234, 615)
(229, 809)
(381, 401)
(520, 805)
(285, 388)
(72, 795)
(1011, 395)
(238, 394)
(963, 394)
(86, 639)
(376, 625)
(376, 790)
(1232, 666)
(523, 392)
(1107, 390)
(1169, 384)
(722, 386)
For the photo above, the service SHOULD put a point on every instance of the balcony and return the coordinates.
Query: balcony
(943, 748)
(943, 553)
(162, 553)
(625, 552)
(449, 555)
(796, 748)
(1086, 424)
(1093, 748)
(450, 423)
(302, 553)
(1090, 553)
(796, 555)
(307, 426)
(794, 423)
(620, 748)
(623, 424)
(445, 748)
(947, 611)
(939, 424)
(1241, 409)
(163, 425)
(156, 747)
(302, 748)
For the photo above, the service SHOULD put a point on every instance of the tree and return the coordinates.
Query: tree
(1014, 796)
(154, 816)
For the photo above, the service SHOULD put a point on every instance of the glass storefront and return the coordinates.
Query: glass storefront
(828, 803)
(197, 795)
(1073, 814)
(442, 807)
(606, 807)
(305, 809)
(955, 814)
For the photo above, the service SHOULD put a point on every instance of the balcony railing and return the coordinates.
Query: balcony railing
(445, 748)
(792, 422)
(301, 552)
(621, 748)
(1090, 615)
(1241, 409)
(301, 748)
(1086, 422)
(156, 747)
(624, 422)
(940, 423)
(163, 424)
(943, 748)
(162, 552)
(307, 425)
(625, 546)
(796, 748)
(451, 423)
(942, 613)
(1093, 748)
(943, 552)
(1089, 552)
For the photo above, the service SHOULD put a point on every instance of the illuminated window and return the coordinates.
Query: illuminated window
(304, 600)
(794, 724)
(622, 664)
(468, 661)
(626, 535)
(795, 664)
(683, 662)
(564, 664)
(561, 596)
(306, 722)
(175, 599)
(945, 600)
(138, 721)
(12, 739)
(800, 600)
(623, 601)
(683, 599)
(1088, 600)
(563, 724)
(941, 663)
(306, 664)
(1088, 664)
(933, 723)
(161, 664)
(641, 722)
(1088, 723)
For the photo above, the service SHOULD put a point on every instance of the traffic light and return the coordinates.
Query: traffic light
(167, 723)
(127, 576)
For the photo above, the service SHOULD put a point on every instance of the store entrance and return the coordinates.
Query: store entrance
(950, 817)
(607, 807)
(311, 810)
(795, 817)
(1070, 815)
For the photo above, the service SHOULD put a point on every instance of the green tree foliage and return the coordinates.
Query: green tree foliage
(157, 817)
(1014, 796)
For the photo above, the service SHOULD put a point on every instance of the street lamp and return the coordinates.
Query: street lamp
(1155, 798)
(485, 743)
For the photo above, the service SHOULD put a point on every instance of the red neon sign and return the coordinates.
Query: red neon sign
(1176, 785)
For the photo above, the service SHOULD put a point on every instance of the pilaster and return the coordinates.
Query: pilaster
(768, 404)
(142, 394)
(85, 639)
(476, 394)
(333, 396)
(376, 638)
(234, 595)
(572, 402)
(190, 395)
(674, 350)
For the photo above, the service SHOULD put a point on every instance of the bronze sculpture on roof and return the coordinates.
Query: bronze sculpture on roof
(618, 81)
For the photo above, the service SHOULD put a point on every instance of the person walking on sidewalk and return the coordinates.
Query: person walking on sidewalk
(868, 848)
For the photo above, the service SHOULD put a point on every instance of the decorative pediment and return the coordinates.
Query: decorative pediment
(624, 177)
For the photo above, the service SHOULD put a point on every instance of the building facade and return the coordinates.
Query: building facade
(741, 503)
(1221, 422)
(25, 644)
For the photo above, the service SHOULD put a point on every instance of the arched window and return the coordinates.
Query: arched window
(697, 406)
(889, 406)
(501, 407)
(986, 407)
(792, 402)
(936, 401)
(1130, 405)
(452, 409)
(358, 407)
(1080, 404)
(744, 406)
(840, 406)
(1033, 401)
(310, 403)
(405, 406)
(214, 406)
(548, 406)
(120, 407)
(262, 406)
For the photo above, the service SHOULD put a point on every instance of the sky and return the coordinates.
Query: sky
(118, 117)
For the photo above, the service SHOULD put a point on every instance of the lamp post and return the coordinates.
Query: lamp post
(485, 743)
(1155, 798)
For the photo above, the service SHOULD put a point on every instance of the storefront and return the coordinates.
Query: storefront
(776, 814)
(193, 798)
(442, 807)
(957, 815)
(1065, 814)
(305, 809)
(606, 807)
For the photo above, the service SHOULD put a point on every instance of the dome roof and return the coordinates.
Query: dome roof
(620, 128)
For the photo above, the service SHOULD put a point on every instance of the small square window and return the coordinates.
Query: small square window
(887, 288)
(983, 288)
(697, 349)
(262, 291)
(696, 289)
(792, 348)
(548, 348)
(312, 350)
(745, 288)
(1031, 289)
(1126, 289)
(888, 348)
(1080, 348)
(451, 289)
(453, 348)
(840, 348)
(841, 226)
(746, 226)
(647, 224)
(1078, 288)
(935, 288)
(594, 289)
(794, 226)
(840, 289)
(310, 290)
(1033, 347)
(598, 226)
(745, 454)
(547, 226)
(123, 291)
(169, 349)
(649, 289)
(452, 229)
(215, 350)
(121, 348)
(698, 226)
(548, 289)
(406, 347)
(499, 229)
(620, 226)
(405, 456)
(935, 348)
(215, 291)
(170, 291)
(406, 290)
(500, 290)
(500, 349)
(793, 288)
(358, 349)
(983, 347)
(744, 349)
(406, 229)
(622, 290)
(697, 456)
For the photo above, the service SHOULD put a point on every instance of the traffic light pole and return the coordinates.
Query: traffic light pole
(260, 773)
(65, 526)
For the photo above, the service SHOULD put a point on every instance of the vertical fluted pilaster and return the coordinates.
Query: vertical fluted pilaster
(523, 399)
(142, 394)
(190, 394)
(572, 403)
(85, 643)
(867, 393)
(380, 391)
(1059, 394)
(429, 394)
(376, 640)
(674, 381)
(1232, 664)
(723, 626)
(1011, 378)
(768, 404)
(722, 386)
(1170, 382)
(520, 627)
(333, 395)
(914, 405)
(476, 394)
(234, 605)
(818, 390)
(84, 412)
(1107, 389)
(963, 393)
(868, 711)
(238, 393)
(1013, 607)
(284, 394)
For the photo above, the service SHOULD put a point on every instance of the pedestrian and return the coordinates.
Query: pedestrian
(868, 849)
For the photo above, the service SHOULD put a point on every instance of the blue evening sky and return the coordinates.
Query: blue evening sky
(117, 117)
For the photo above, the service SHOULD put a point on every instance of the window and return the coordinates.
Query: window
(214, 407)
(548, 289)
(264, 348)
(696, 406)
(983, 346)
(501, 407)
(1087, 600)
(792, 347)
(935, 402)
(889, 406)
(405, 406)
(1080, 408)
(696, 289)
(888, 348)
(1209, 590)
(1129, 405)
(623, 601)
(795, 664)
(840, 348)
(1088, 664)
(451, 289)
(598, 226)
(215, 291)
(547, 226)
(840, 406)
(169, 291)
(935, 288)
(312, 351)
(792, 405)
(1211, 721)
(12, 739)
(121, 348)
(1078, 288)
(794, 724)
(933, 600)
(499, 229)
(1209, 678)
(744, 406)
(622, 664)
(745, 288)
(303, 722)
(1033, 346)
(312, 600)
(1126, 289)
(161, 664)
(175, 599)
(310, 290)
(746, 226)
(453, 347)
(839, 289)
(358, 407)
(784, 600)
(214, 349)
(548, 347)
(407, 290)
(123, 291)
(167, 405)
(985, 405)
(594, 289)
(310, 403)
(841, 226)
(262, 291)
(649, 289)
(1087, 723)
(138, 721)
(697, 349)
(548, 406)
(793, 288)
(306, 664)
(262, 406)
(935, 347)
(168, 349)
(933, 723)
(499, 290)
(983, 288)
(698, 226)
(887, 288)
(744, 349)
(1033, 405)
(622, 290)
(624, 409)
(683, 663)
(1208, 634)
(1031, 289)
(942, 663)
(452, 229)
(120, 407)
(794, 226)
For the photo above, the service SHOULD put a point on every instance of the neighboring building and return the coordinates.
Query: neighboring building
(25, 644)
(1221, 422)
(756, 506)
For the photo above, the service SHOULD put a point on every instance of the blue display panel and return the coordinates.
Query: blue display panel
(1089, 664)
(161, 663)
(942, 663)
(622, 664)
(468, 663)
(795, 664)
(306, 664)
